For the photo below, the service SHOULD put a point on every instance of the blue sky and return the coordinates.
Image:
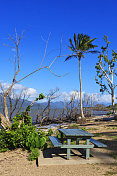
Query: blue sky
(62, 18)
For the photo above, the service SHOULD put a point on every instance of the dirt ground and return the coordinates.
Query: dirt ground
(15, 163)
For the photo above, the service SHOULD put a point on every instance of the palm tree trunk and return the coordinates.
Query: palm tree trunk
(81, 109)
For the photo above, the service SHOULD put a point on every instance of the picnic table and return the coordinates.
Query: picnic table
(69, 135)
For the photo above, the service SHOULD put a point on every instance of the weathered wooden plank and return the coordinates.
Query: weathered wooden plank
(87, 149)
(55, 141)
(75, 132)
(68, 149)
(97, 143)
(77, 146)
(77, 141)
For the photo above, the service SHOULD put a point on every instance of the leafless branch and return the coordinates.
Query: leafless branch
(38, 70)
(45, 50)
(105, 74)
(2, 87)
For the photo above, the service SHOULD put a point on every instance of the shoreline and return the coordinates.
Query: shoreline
(65, 124)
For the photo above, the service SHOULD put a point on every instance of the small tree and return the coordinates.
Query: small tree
(106, 70)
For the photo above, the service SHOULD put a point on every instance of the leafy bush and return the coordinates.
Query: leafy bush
(50, 132)
(83, 128)
(24, 135)
(109, 113)
(35, 141)
(34, 154)
(58, 134)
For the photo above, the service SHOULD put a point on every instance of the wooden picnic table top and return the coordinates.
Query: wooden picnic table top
(75, 132)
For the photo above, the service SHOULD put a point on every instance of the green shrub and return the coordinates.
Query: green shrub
(3, 144)
(24, 135)
(83, 128)
(50, 132)
(35, 141)
(109, 113)
(58, 134)
(76, 125)
(34, 154)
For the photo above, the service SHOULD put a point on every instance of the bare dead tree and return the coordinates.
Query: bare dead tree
(17, 100)
(51, 96)
(45, 114)
(86, 100)
(5, 121)
(70, 109)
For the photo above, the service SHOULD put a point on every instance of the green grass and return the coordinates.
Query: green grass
(111, 128)
(114, 128)
(74, 126)
(114, 137)
(92, 129)
(111, 173)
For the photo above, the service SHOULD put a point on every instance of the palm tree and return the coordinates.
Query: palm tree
(82, 45)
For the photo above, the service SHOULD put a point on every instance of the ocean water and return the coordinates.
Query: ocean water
(54, 113)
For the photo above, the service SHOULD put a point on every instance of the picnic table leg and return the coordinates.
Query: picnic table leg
(87, 150)
(62, 135)
(68, 149)
(77, 141)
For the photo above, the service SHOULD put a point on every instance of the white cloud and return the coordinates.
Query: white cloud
(64, 96)
(18, 87)
(5, 85)
(31, 92)
(105, 98)
(75, 94)
(67, 96)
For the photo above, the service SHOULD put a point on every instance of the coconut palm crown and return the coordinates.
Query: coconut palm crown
(82, 45)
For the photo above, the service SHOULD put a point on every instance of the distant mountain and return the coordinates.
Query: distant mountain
(26, 103)
(57, 104)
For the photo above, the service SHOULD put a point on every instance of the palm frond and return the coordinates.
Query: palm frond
(75, 39)
(94, 52)
(77, 47)
(91, 46)
(83, 56)
(69, 57)
(82, 44)
(91, 40)
(72, 46)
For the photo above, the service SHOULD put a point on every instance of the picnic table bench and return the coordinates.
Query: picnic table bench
(76, 134)
(97, 144)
